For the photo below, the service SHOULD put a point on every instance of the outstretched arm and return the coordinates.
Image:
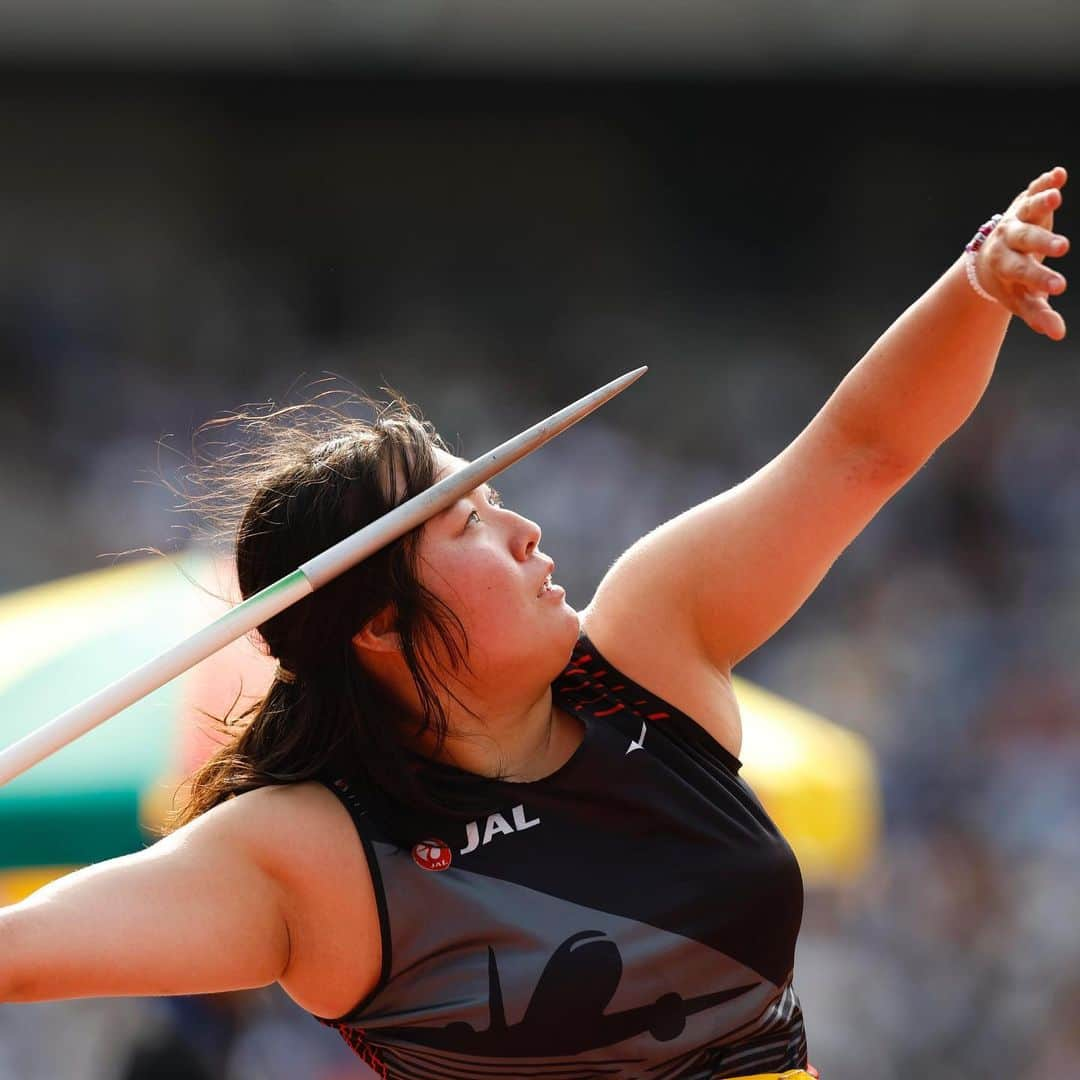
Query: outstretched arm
(719, 580)
(198, 912)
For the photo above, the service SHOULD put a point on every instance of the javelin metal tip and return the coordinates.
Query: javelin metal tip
(618, 385)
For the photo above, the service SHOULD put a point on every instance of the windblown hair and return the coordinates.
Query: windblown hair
(311, 476)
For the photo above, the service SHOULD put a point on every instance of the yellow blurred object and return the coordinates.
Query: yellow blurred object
(42, 621)
(16, 885)
(818, 782)
(791, 1074)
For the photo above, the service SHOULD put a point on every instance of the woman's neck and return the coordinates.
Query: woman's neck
(518, 746)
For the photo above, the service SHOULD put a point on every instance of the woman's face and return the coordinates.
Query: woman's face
(483, 560)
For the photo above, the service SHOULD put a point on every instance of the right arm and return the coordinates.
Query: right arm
(200, 911)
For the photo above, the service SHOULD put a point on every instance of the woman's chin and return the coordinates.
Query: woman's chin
(573, 626)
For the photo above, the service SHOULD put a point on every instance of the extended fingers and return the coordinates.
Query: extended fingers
(1040, 316)
(1028, 273)
(1014, 256)
(1036, 207)
(1033, 239)
(1056, 177)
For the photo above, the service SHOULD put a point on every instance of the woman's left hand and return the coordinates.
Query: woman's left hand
(1009, 263)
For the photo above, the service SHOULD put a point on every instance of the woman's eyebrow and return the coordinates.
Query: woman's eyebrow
(484, 490)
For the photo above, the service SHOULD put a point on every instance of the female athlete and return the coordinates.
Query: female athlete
(482, 834)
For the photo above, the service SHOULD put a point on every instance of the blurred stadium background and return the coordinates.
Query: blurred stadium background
(495, 207)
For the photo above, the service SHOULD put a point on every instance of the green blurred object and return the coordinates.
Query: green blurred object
(106, 794)
(103, 795)
(61, 643)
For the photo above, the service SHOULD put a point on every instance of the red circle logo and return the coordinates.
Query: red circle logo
(431, 855)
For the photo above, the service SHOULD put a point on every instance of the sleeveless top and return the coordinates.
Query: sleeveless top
(633, 914)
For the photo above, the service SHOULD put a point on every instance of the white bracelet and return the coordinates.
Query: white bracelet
(969, 266)
(973, 246)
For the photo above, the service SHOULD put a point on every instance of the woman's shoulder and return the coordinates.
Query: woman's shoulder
(296, 828)
(311, 848)
(669, 668)
(280, 806)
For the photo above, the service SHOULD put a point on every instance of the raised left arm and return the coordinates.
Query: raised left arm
(722, 578)
(924, 376)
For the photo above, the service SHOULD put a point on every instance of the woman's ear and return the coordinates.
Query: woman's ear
(379, 634)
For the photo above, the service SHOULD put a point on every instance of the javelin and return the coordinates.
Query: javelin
(316, 572)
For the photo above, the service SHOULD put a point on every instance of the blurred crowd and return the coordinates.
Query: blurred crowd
(946, 634)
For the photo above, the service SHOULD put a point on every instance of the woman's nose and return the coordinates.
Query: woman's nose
(526, 537)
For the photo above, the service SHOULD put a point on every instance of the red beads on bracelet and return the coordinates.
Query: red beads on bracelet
(973, 245)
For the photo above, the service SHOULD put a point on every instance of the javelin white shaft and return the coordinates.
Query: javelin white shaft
(95, 710)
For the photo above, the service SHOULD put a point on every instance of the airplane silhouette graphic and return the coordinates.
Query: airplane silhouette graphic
(566, 1012)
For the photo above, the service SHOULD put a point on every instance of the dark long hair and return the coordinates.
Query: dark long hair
(311, 475)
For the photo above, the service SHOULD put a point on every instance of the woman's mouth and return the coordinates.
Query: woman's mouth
(549, 588)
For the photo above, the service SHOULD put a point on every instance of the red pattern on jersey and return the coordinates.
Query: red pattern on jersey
(357, 1041)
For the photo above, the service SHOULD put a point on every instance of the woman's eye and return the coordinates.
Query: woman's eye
(493, 498)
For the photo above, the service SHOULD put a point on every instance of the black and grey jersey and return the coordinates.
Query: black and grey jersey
(634, 914)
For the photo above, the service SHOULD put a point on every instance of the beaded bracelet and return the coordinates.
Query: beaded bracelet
(973, 245)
